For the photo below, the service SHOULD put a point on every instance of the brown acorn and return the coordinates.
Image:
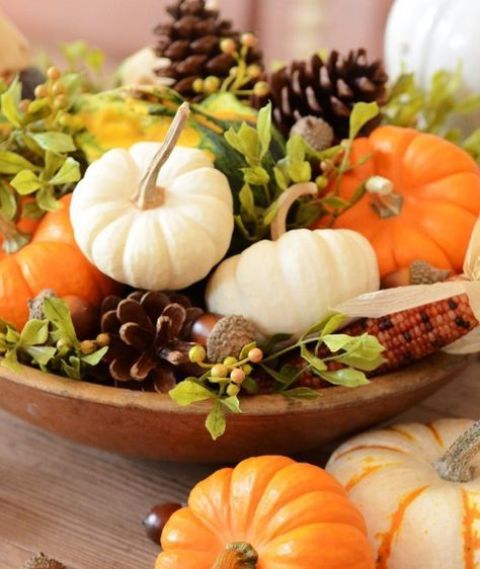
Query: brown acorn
(157, 518)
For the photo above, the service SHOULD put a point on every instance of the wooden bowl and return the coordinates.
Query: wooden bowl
(150, 425)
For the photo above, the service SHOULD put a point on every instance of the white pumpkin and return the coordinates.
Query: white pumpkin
(424, 36)
(154, 218)
(14, 49)
(140, 69)
(287, 285)
(418, 487)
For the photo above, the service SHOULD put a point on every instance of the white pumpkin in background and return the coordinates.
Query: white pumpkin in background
(289, 284)
(154, 217)
(424, 36)
(15, 52)
(418, 487)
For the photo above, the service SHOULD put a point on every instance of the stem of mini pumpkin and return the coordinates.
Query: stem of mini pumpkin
(149, 195)
(456, 464)
(279, 224)
(237, 556)
(385, 201)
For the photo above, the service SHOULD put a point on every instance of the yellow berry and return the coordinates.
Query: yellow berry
(60, 101)
(88, 347)
(249, 39)
(24, 105)
(197, 354)
(198, 85)
(255, 355)
(233, 71)
(233, 390)
(103, 340)
(237, 376)
(247, 368)
(219, 370)
(254, 71)
(228, 46)
(211, 84)
(261, 89)
(53, 73)
(230, 361)
(41, 91)
(322, 182)
(63, 344)
(58, 89)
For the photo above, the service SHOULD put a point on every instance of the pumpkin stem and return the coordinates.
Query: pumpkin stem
(455, 464)
(149, 195)
(13, 239)
(385, 201)
(237, 556)
(279, 224)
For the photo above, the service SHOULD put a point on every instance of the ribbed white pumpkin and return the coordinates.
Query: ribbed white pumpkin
(167, 246)
(426, 35)
(290, 284)
(419, 513)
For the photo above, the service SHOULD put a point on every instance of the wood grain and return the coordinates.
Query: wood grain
(85, 507)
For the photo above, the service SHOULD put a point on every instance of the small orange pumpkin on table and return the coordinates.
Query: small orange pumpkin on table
(421, 202)
(53, 260)
(268, 512)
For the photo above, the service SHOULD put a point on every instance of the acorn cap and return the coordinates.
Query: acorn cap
(316, 131)
(422, 272)
(41, 561)
(228, 337)
(35, 305)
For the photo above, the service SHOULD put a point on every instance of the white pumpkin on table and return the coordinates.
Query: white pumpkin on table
(418, 487)
(288, 284)
(155, 217)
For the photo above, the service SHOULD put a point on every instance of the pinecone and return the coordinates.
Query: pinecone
(148, 336)
(326, 89)
(192, 43)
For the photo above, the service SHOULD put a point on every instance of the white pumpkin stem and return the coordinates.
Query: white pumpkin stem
(149, 195)
(456, 464)
(237, 556)
(279, 225)
(385, 201)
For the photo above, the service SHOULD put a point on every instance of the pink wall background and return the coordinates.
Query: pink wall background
(122, 26)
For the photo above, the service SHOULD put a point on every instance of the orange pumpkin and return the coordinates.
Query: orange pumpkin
(422, 205)
(51, 260)
(267, 513)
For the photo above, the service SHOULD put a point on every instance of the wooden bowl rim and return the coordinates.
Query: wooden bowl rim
(425, 372)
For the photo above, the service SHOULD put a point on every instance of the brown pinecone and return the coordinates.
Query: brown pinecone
(148, 336)
(192, 43)
(326, 89)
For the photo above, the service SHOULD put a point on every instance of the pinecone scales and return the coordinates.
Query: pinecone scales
(148, 336)
(327, 89)
(192, 44)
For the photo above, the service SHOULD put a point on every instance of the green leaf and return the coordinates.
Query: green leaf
(26, 182)
(335, 202)
(216, 422)
(272, 343)
(10, 101)
(13, 163)
(11, 335)
(250, 386)
(296, 149)
(302, 393)
(337, 342)
(256, 175)
(72, 368)
(250, 142)
(189, 391)
(317, 364)
(95, 358)
(46, 200)
(270, 214)
(285, 376)
(300, 172)
(264, 127)
(346, 377)
(247, 200)
(10, 361)
(358, 362)
(8, 202)
(362, 114)
(34, 332)
(53, 163)
(57, 312)
(280, 178)
(333, 323)
(42, 355)
(54, 141)
(232, 404)
(68, 173)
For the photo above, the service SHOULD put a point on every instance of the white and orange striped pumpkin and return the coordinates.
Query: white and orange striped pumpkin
(418, 487)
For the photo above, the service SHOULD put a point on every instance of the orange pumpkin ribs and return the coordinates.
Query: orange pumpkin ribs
(411, 335)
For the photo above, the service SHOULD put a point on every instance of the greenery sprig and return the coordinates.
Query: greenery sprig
(50, 344)
(38, 155)
(222, 383)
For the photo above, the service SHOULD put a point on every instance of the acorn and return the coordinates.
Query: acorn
(41, 561)
(35, 305)
(223, 336)
(419, 272)
(315, 131)
(157, 519)
(85, 316)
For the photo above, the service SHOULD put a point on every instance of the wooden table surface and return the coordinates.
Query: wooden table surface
(85, 507)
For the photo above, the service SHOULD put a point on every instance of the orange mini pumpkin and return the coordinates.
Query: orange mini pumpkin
(268, 512)
(51, 260)
(422, 198)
